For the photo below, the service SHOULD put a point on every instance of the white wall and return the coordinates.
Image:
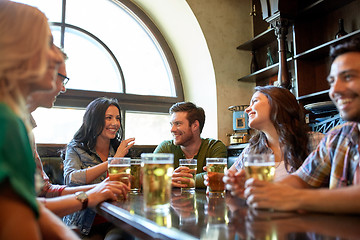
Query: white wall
(203, 35)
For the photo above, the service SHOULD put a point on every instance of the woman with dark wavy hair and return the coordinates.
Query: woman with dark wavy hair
(99, 137)
(281, 130)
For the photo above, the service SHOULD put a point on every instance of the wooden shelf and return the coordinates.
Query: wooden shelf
(321, 6)
(260, 40)
(263, 73)
(314, 97)
(322, 51)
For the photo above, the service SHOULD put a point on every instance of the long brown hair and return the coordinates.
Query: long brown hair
(289, 122)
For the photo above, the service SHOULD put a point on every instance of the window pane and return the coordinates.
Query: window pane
(52, 9)
(145, 71)
(56, 125)
(89, 65)
(147, 128)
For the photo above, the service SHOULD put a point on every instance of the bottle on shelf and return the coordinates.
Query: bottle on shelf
(341, 31)
(269, 59)
(254, 65)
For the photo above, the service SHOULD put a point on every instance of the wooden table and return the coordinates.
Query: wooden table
(198, 216)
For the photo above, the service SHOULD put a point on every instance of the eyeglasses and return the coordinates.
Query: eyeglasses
(65, 79)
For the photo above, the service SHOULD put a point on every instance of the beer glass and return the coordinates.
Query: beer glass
(135, 176)
(191, 164)
(260, 166)
(119, 170)
(215, 170)
(157, 172)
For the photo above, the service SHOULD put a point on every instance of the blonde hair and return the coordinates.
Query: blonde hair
(24, 44)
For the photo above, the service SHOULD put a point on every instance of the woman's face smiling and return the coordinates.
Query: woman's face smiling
(112, 123)
(259, 112)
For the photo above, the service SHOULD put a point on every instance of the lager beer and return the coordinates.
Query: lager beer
(135, 171)
(157, 172)
(262, 171)
(215, 170)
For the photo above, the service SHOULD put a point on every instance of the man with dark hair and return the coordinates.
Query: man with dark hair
(333, 168)
(187, 122)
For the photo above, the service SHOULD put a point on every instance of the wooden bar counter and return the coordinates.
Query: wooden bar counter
(198, 216)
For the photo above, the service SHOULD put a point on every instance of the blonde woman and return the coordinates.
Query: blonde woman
(28, 63)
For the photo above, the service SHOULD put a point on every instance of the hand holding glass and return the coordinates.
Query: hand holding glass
(119, 169)
(191, 167)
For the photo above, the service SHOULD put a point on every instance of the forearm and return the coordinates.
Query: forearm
(340, 200)
(293, 181)
(52, 227)
(62, 206)
(94, 172)
(72, 190)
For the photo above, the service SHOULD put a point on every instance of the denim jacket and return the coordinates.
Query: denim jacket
(77, 160)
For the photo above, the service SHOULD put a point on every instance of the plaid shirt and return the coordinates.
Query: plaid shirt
(314, 140)
(335, 160)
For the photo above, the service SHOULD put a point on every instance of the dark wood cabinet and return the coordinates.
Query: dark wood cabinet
(310, 27)
(311, 32)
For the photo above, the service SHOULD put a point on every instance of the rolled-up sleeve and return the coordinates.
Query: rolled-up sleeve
(74, 172)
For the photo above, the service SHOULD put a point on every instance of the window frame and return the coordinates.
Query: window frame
(74, 98)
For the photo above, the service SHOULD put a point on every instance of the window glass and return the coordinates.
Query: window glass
(89, 66)
(147, 128)
(56, 125)
(140, 58)
(52, 9)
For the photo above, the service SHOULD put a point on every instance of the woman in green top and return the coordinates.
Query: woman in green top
(28, 63)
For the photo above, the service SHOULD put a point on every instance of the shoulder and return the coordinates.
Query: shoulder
(212, 142)
(9, 121)
(348, 130)
(165, 146)
(74, 146)
(7, 115)
(166, 143)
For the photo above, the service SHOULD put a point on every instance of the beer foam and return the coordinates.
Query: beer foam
(259, 164)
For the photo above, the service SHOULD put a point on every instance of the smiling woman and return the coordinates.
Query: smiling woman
(99, 137)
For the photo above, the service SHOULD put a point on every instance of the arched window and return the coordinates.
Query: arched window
(114, 50)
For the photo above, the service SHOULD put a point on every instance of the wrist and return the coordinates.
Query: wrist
(83, 198)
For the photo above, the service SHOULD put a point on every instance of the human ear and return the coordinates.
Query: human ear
(195, 125)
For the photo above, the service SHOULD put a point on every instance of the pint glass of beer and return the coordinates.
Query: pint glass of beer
(215, 170)
(260, 166)
(135, 176)
(157, 172)
(191, 165)
(119, 170)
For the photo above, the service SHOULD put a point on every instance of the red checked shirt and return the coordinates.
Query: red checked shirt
(335, 161)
